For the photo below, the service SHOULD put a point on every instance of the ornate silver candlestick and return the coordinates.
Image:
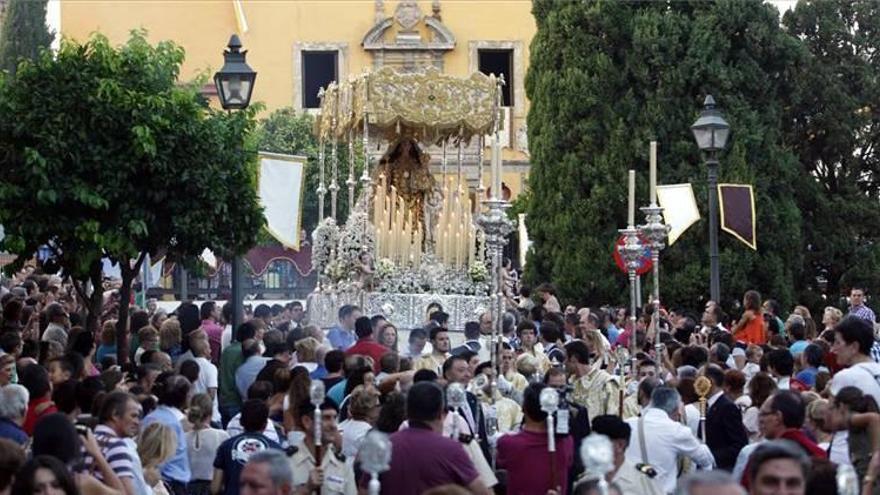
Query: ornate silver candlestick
(631, 252)
(375, 457)
(496, 227)
(456, 398)
(316, 397)
(597, 454)
(656, 232)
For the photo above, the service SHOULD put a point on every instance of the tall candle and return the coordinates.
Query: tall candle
(631, 212)
(438, 242)
(419, 239)
(653, 188)
(400, 225)
(496, 168)
(471, 249)
(379, 238)
(386, 221)
(450, 238)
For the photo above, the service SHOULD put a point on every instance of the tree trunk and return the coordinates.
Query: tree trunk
(94, 302)
(128, 275)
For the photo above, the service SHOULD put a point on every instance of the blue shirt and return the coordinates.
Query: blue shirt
(11, 431)
(613, 332)
(319, 373)
(798, 347)
(176, 468)
(337, 392)
(104, 351)
(246, 374)
(341, 338)
(808, 376)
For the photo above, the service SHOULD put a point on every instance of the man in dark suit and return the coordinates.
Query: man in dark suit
(457, 370)
(725, 433)
(472, 340)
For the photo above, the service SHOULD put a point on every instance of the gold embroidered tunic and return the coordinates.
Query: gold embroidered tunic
(598, 391)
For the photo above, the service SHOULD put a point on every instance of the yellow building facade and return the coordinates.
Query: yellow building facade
(298, 45)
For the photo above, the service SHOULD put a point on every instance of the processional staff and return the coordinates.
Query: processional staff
(334, 176)
(375, 457)
(549, 399)
(321, 189)
(622, 356)
(456, 398)
(597, 456)
(655, 232)
(702, 386)
(316, 397)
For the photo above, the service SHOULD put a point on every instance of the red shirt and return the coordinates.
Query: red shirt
(527, 461)
(369, 347)
(37, 408)
(422, 459)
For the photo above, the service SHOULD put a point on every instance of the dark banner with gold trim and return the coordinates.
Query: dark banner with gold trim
(738, 212)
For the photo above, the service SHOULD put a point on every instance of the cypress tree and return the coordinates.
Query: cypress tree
(23, 32)
(607, 77)
(834, 129)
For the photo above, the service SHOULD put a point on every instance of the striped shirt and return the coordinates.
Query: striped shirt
(116, 451)
(863, 312)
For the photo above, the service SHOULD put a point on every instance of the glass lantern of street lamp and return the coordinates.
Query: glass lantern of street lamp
(235, 81)
(711, 130)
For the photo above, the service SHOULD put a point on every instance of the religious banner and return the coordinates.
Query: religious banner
(679, 208)
(737, 202)
(282, 178)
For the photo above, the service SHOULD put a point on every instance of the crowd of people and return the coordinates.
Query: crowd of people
(689, 404)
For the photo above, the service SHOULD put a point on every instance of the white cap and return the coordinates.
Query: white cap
(738, 351)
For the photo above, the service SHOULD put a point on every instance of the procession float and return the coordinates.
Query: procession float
(412, 237)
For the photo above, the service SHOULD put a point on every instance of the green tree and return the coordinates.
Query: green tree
(834, 129)
(105, 153)
(23, 32)
(605, 78)
(285, 131)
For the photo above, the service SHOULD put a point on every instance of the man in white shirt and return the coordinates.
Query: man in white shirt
(853, 339)
(669, 439)
(207, 381)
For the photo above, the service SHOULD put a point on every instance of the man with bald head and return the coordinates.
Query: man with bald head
(709, 483)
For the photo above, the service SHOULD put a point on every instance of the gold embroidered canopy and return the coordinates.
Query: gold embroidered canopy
(429, 106)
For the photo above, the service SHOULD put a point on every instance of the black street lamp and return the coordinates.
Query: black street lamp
(235, 81)
(711, 132)
(235, 85)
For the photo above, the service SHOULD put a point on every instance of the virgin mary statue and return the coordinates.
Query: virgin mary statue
(406, 167)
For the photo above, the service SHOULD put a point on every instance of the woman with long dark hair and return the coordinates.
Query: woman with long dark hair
(856, 412)
(44, 475)
(750, 328)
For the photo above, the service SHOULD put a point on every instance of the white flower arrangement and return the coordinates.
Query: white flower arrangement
(357, 236)
(324, 240)
(385, 268)
(478, 271)
(335, 270)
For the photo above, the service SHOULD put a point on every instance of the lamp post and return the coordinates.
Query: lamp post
(235, 85)
(711, 132)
